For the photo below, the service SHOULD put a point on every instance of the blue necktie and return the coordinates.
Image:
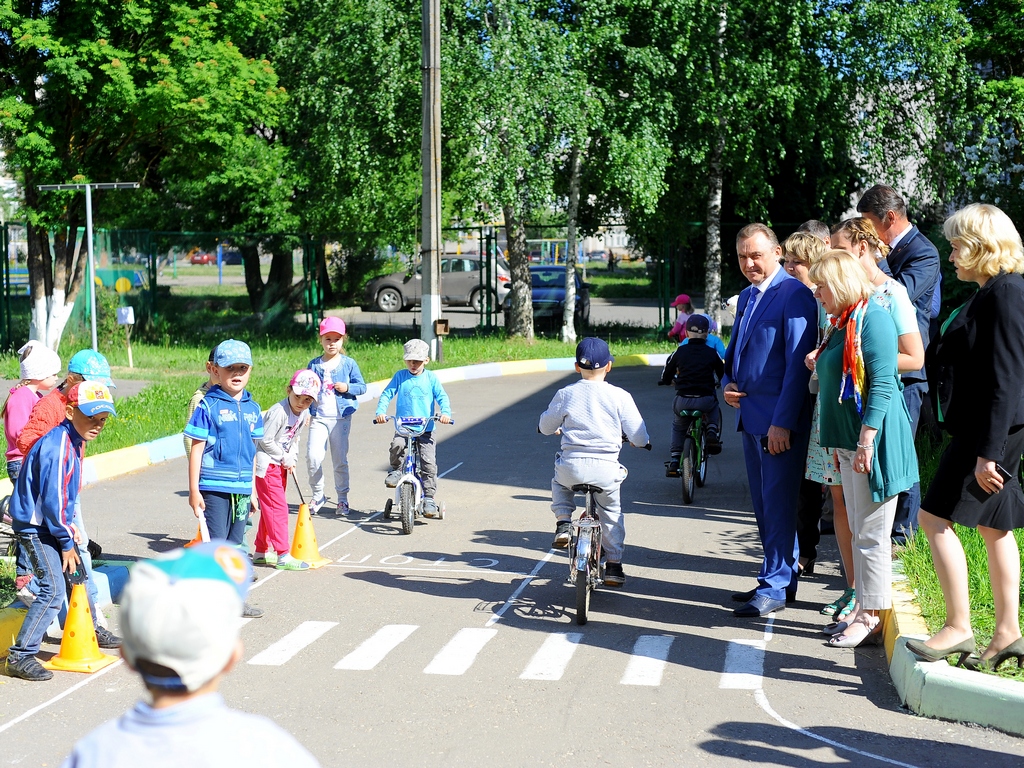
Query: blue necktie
(751, 300)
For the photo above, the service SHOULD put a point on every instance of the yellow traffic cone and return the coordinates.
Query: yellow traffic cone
(79, 651)
(304, 546)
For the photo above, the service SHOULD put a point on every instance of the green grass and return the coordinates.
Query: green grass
(6, 582)
(628, 281)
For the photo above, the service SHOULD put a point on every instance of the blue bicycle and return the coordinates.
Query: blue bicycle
(409, 489)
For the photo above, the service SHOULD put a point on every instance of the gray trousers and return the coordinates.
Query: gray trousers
(604, 474)
(428, 460)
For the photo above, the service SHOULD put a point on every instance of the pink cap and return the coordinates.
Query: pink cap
(681, 299)
(332, 325)
(305, 382)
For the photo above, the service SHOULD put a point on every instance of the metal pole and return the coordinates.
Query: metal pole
(430, 152)
(92, 263)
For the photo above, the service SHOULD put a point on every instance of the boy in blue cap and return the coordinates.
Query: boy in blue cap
(42, 507)
(224, 430)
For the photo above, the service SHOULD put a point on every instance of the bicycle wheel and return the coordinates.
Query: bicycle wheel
(702, 463)
(408, 509)
(688, 469)
(582, 596)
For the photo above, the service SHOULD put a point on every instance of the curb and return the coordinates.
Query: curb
(936, 689)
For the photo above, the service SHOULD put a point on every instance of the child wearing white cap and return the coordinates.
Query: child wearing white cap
(331, 424)
(180, 616)
(276, 455)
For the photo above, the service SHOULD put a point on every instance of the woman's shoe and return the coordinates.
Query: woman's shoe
(1013, 650)
(835, 628)
(855, 640)
(807, 569)
(964, 648)
(841, 608)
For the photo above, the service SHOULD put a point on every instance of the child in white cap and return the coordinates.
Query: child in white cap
(341, 383)
(416, 391)
(276, 455)
(180, 617)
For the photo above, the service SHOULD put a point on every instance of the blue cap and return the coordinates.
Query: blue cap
(698, 323)
(232, 352)
(91, 365)
(592, 353)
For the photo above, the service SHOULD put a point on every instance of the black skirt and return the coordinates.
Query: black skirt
(949, 498)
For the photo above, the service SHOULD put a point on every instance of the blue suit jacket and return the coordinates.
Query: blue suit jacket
(772, 351)
(915, 263)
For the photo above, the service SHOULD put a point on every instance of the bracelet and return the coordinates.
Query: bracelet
(867, 447)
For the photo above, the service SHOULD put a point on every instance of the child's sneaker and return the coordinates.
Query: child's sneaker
(264, 558)
(288, 563)
(613, 575)
(563, 532)
(316, 504)
(27, 668)
(672, 467)
(107, 639)
(342, 510)
(429, 508)
(714, 443)
(391, 481)
(251, 611)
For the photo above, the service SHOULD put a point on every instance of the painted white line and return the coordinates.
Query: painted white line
(59, 696)
(460, 652)
(284, 649)
(762, 701)
(451, 470)
(550, 661)
(744, 665)
(508, 603)
(647, 663)
(372, 651)
(427, 570)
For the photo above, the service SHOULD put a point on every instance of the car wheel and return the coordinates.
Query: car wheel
(476, 300)
(389, 300)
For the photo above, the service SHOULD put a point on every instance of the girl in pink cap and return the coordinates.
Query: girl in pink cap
(685, 308)
(276, 455)
(332, 413)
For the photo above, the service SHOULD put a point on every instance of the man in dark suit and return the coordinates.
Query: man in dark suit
(914, 261)
(766, 379)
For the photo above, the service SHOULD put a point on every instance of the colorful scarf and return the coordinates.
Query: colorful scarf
(854, 381)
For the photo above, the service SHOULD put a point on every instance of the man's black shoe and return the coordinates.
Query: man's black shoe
(759, 606)
(563, 532)
(746, 597)
(27, 668)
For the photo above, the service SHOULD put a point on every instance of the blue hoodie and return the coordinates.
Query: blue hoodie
(230, 429)
(48, 485)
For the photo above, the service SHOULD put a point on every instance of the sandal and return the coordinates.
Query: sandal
(842, 606)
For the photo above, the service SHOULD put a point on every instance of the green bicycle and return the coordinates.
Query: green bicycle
(693, 461)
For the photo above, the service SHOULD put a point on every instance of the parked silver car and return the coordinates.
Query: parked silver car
(461, 285)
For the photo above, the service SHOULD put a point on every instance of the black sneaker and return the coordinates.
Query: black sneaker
(107, 639)
(613, 575)
(563, 532)
(251, 612)
(672, 468)
(714, 443)
(27, 668)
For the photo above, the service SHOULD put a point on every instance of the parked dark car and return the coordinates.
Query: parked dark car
(548, 290)
(460, 285)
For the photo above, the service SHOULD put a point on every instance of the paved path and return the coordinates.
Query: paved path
(410, 651)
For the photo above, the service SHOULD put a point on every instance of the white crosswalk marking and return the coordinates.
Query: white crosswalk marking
(744, 665)
(460, 652)
(372, 651)
(550, 661)
(647, 663)
(284, 649)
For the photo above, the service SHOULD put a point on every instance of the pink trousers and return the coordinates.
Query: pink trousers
(272, 533)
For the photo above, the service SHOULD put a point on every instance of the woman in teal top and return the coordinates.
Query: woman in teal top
(863, 417)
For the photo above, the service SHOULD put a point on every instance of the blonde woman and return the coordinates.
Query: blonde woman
(864, 419)
(980, 355)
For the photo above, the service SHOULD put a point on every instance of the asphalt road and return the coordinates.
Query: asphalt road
(436, 649)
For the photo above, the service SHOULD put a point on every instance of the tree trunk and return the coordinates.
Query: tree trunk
(253, 280)
(713, 218)
(569, 310)
(519, 321)
(282, 272)
(38, 244)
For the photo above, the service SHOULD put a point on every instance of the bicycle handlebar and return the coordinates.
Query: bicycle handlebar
(396, 418)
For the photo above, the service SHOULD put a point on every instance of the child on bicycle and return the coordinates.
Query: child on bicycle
(415, 392)
(592, 416)
(276, 455)
(695, 370)
(341, 384)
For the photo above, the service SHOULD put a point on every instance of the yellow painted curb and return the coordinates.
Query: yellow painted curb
(621, 360)
(119, 462)
(513, 367)
(10, 625)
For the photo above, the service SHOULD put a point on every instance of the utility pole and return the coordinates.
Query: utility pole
(88, 234)
(431, 157)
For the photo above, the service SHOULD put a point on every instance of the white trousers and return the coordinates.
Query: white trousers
(871, 525)
(321, 433)
(604, 474)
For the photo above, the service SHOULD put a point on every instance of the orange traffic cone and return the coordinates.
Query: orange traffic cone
(304, 546)
(202, 534)
(79, 651)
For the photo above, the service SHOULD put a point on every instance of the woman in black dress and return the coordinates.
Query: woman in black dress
(980, 358)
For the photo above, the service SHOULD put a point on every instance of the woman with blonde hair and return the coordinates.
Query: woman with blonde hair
(864, 419)
(980, 359)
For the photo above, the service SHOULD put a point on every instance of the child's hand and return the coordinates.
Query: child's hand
(70, 560)
(76, 534)
(340, 387)
(444, 418)
(380, 419)
(195, 500)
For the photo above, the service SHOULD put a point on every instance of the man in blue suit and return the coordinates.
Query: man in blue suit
(765, 377)
(914, 261)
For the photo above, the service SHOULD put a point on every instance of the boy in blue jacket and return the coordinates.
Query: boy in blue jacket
(224, 430)
(42, 507)
(415, 392)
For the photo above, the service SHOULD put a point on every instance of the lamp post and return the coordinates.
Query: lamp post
(88, 233)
